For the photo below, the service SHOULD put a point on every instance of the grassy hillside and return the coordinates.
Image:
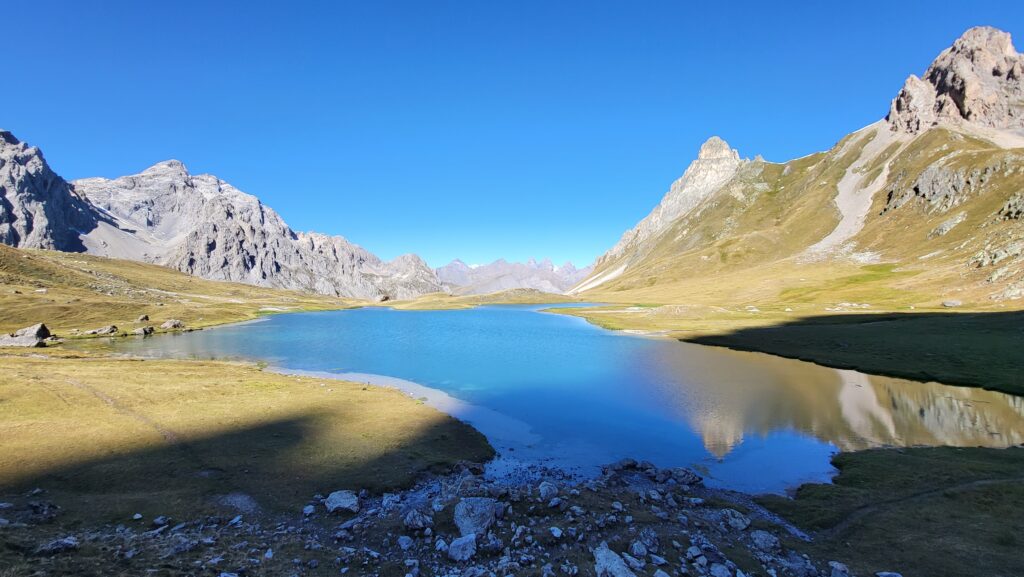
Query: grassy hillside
(76, 291)
(737, 271)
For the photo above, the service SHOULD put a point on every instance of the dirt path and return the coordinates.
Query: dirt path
(167, 434)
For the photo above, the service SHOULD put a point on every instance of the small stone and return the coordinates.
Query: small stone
(887, 574)
(137, 517)
(719, 570)
(172, 324)
(556, 532)
(952, 303)
(161, 521)
(415, 519)
(463, 548)
(142, 318)
(838, 569)
(547, 490)
(764, 541)
(58, 546)
(734, 519)
(405, 542)
(308, 510)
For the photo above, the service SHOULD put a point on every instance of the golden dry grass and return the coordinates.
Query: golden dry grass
(108, 437)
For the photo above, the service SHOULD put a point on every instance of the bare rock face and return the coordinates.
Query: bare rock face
(197, 224)
(203, 226)
(977, 80)
(38, 208)
(716, 163)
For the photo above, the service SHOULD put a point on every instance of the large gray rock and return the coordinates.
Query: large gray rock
(608, 563)
(475, 515)
(342, 501)
(32, 336)
(977, 80)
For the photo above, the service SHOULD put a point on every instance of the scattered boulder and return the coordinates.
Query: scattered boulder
(474, 515)
(59, 546)
(764, 541)
(838, 569)
(143, 331)
(463, 548)
(32, 336)
(735, 520)
(172, 324)
(952, 303)
(342, 501)
(547, 490)
(607, 563)
(107, 330)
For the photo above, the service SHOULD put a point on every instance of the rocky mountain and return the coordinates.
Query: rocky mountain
(501, 275)
(38, 209)
(930, 197)
(197, 224)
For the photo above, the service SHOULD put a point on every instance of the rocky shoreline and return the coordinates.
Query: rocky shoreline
(634, 519)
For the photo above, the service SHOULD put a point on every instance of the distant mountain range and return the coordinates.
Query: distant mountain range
(933, 193)
(501, 275)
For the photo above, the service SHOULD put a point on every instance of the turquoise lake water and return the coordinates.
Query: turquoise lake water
(555, 390)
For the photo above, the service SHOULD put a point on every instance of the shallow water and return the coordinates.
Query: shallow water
(556, 390)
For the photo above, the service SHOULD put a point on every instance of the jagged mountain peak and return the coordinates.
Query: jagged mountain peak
(977, 80)
(715, 148)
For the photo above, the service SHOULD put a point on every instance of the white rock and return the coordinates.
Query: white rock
(342, 501)
(608, 563)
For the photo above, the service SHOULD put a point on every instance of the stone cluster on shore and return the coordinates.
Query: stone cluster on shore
(632, 520)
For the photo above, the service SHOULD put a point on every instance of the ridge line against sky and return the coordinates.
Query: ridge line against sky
(463, 130)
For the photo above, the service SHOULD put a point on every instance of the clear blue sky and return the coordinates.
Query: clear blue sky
(458, 129)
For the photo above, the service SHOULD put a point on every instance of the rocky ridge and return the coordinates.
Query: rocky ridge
(197, 224)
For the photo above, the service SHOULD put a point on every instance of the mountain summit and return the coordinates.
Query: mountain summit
(977, 80)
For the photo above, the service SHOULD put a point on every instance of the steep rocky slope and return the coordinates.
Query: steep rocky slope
(924, 205)
(197, 224)
(501, 275)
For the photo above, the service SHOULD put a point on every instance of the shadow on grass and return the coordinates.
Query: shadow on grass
(275, 465)
(984, 349)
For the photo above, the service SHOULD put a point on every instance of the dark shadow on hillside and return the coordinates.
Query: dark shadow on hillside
(279, 464)
(983, 349)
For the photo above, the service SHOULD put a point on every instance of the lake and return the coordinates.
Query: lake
(554, 390)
